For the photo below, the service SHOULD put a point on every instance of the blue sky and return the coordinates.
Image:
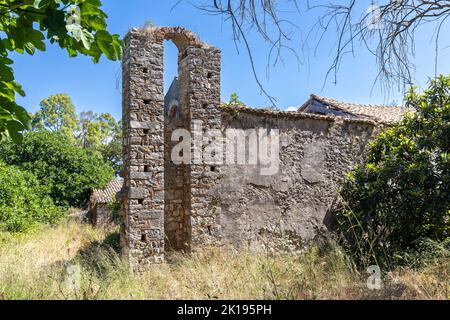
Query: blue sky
(97, 86)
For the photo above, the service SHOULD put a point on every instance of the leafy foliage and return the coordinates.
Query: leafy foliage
(114, 207)
(402, 193)
(111, 150)
(69, 172)
(96, 129)
(78, 26)
(234, 100)
(103, 134)
(24, 202)
(57, 114)
(98, 132)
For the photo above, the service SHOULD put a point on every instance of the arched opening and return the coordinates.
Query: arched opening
(177, 197)
(170, 64)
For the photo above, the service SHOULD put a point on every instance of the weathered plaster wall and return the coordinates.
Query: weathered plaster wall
(287, 210)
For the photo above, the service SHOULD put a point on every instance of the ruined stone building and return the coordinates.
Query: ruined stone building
(100, 207)
(188, 206)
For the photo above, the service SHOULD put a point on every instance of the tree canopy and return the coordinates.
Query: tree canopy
(57, 114)
(24, 202)
(100, 133)
(68, 171)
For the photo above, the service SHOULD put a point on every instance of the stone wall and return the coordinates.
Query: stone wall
(205, 177)
(101, 215)
(142, 216)
(163, 203)
(289, 209)
(169, 206)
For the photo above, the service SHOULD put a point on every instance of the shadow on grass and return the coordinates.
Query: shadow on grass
(98, 258)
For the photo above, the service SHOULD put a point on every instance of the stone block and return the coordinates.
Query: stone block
(138, 193)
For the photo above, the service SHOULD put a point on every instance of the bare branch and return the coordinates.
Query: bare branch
(387, 31)
(263, 17)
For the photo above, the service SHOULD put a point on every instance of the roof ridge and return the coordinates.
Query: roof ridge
(296, 115)
(338, 102)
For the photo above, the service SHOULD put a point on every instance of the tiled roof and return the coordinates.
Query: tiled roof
(108, 194)
(379, 113)
(236, 109)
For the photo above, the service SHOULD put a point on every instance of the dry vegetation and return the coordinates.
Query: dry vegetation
(34, 266)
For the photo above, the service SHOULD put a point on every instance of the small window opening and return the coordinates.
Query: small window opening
(147, 168)
(147, 101)
(209, 75)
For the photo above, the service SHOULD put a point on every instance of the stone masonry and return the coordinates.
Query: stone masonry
(185, 207)
(164, 205)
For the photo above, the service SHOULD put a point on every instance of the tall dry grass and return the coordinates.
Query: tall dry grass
(36, 266)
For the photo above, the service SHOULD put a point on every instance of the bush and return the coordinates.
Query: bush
(426, 252)
(402, 193)
(24, 203)
(69, 172)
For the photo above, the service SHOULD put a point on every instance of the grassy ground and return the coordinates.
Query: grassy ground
(36, 266)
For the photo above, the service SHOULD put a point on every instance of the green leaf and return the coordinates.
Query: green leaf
(36, 37)
(75, 30)
(16, 87)
(55, 21)
(86, 38)
(29, 48)
(95, 22)
(39, 4)
(22, 116)
(5, 60)
(81, 34)
(95, 52)
(3, 51)
(104, 41)
(6, 73)
(5, 92)
(111, 46)
(15, 129)
(89, 9)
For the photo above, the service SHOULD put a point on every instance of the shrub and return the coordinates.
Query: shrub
(69, 172)
(402, 193)
(24, 202)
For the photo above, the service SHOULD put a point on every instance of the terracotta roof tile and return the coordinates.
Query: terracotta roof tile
(236, 109)
(108, 194)
(379, 113)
